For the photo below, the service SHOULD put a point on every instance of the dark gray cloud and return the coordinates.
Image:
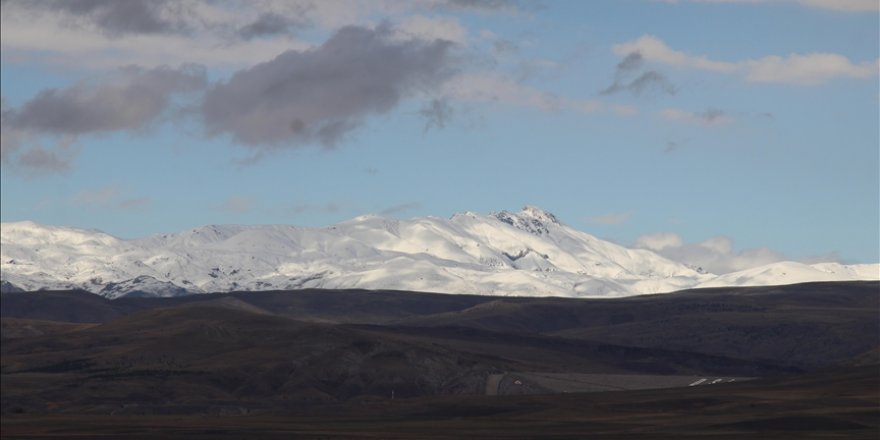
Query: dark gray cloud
(269, 24)
(632, 61)
(646, 81)
(10, 139)
(624, 69)
(651, 80)
(129, 100)
(38, 160)
(116, 17)
(322, 94)
(19, 151)
(437, 114)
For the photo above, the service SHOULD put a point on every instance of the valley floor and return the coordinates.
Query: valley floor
(839, 403)
(777, 362)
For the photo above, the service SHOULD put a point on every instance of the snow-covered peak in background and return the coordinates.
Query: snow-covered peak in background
(531, 219)
(538, 214)
(529, 252)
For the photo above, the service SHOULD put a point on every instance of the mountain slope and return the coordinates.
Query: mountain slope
(527, 253)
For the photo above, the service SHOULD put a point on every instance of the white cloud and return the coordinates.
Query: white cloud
(797, 69)
(654, 49)
(814, 68)
(97, 34)
(716, 254)
(208, 33)
(63, 45)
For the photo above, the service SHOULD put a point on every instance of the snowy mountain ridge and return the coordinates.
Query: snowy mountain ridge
(528, 253)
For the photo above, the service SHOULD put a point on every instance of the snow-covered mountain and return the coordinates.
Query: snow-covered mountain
(524, 253)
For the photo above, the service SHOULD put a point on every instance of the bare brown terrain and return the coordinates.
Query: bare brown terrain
(838, 404)
(326, 364)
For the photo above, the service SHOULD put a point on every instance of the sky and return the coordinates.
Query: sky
(744, 132)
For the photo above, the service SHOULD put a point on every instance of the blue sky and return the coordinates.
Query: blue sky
(746, 127)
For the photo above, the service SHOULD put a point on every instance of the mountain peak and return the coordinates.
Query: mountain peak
(539, 214)
(530, 219)
(526, 252)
